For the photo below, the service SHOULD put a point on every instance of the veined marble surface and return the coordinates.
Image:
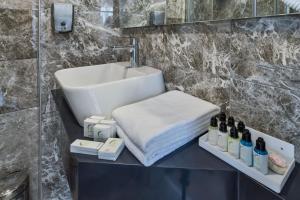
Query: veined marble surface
(19, 140)
(18, 83)
(249, 67)
(90, 43)
(19, 112)
(259, 84)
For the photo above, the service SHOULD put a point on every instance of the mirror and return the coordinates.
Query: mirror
(138, 13)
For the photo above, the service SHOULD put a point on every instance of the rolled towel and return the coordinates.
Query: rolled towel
(164, 121)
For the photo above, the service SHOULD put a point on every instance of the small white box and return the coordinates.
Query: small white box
(85, 147)
(111, 149)
(112, 123)
(88, 127)
(100, 118)
(102, 132)
(109, 122)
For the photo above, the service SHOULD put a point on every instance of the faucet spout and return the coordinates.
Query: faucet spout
(134, 49)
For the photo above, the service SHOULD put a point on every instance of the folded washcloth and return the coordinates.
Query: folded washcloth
(156, 120)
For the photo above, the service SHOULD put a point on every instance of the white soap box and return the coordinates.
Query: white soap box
(111, 149)
(272, 180)
(85, 147)
(88, 126)
(106, 129)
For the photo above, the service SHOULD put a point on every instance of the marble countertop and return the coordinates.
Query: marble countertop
(190, 156)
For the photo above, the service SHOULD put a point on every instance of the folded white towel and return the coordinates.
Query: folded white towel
(151, 157)
(155, 120)
(178, 134)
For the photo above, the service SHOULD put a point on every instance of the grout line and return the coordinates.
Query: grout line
(21, 110)
(40, 196)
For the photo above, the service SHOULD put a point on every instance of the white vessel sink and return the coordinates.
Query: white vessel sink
(99, 89)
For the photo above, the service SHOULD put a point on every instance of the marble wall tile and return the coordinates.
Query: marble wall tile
(272, 110)
(18, 4)
(267, 98)
(16, 47)
(19, 139)
(269, 41)
(284, 77)
(17, 34)
(19, 126)
(48, 83)
(18, 85)
(53, 178)
(14, 22)
(89, 40)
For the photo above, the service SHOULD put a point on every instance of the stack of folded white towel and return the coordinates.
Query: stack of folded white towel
(157, 126)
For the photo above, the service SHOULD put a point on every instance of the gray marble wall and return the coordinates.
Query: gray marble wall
(248, 67)
(19, 119)
(90, 43)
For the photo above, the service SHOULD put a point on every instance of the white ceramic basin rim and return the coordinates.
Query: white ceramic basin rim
(99, 89)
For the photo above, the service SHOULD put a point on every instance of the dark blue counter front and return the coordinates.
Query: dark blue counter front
(190, 173)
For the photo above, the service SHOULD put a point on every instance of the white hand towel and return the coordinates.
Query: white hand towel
(146, 122)
(149, 158)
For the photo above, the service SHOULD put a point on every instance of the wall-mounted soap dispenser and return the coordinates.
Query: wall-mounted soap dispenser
(63, 17)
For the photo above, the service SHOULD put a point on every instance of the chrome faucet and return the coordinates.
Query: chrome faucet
(134, 48)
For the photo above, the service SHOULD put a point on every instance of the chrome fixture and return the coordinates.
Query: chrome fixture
(254, 8)
(134, 49)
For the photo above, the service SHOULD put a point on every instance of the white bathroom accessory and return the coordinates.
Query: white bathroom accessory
(234, 143)
(223, 137)
(99, 89)
(85, 147)
(111, 149)
(88, 126)
(100, 118)
(213, 131)
(157, 126)
(272, 180)
(104, 131)
(63, 17)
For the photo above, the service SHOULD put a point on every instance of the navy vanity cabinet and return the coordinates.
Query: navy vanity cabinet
(116, 182)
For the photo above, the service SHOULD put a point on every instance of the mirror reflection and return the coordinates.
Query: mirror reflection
(136, 13)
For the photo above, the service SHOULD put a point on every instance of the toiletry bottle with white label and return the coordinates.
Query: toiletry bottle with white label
(241, 128)
(246, 148)
(230, 122)
(234, 143)
(213, 131)
(223, 136)
(260, 156)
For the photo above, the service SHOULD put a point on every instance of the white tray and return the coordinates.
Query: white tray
(272, 180)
